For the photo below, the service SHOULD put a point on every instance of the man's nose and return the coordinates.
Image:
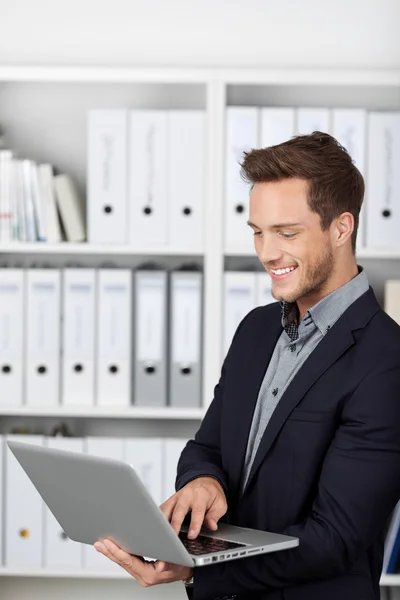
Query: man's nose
(268, 250)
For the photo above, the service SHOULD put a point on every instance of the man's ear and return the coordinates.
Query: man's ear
(344, 227)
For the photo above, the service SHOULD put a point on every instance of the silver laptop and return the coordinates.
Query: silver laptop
(94, 498)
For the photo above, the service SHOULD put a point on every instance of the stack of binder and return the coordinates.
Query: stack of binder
(371, 138)
(141, 164)
(87, 337)
(33, 537)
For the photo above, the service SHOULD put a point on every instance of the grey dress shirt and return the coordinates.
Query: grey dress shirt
(292, 349)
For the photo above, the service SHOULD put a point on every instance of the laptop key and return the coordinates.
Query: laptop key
(205, 545)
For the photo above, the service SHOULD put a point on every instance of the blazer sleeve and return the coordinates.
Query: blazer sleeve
(358, 488)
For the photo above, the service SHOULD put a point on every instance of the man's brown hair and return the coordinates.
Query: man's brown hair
(335, 185)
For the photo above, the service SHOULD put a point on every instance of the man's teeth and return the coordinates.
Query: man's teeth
(282, 271)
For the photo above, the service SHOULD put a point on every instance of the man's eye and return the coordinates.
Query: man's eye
(288, 235)
(257, 232)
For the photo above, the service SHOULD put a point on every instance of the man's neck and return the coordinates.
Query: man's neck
(335, 282)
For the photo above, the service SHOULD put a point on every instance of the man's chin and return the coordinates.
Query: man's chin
(289, 297)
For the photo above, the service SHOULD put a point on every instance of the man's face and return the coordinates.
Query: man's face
(287, 234)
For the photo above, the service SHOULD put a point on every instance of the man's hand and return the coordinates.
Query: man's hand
(204, 497)
(146, 572)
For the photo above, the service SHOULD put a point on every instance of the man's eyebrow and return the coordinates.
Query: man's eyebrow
(277, 226)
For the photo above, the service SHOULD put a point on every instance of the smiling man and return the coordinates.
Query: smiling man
(303, 434)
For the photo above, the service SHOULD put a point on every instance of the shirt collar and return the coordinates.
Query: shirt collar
(328, 310)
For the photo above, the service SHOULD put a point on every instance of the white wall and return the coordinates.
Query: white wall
(342, 33)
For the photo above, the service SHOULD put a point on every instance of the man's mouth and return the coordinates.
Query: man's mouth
(283, 272)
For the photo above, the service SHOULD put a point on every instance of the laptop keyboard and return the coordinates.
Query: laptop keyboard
(204, 545)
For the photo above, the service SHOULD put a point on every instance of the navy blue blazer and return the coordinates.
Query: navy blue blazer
(327, 469)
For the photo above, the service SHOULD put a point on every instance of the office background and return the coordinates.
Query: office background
(257, 54)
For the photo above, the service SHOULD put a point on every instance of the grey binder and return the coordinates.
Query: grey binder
(185, 339)
(150, 364)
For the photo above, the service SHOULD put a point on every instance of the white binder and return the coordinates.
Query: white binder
(240, 299)
(2, 495)
(24, 511)
(148, 177)
(79, 321)
(59, 550)
(349, 127)
(383, 180)
(277, 125)
(11, 336)
(43, 324)
(392, 299)
(145, 456)
(186, 177)
(264, 290)
(114, 324)
(150, 363)
(185, 351)
(107, 214)
(173, 448)
(313, 119)
(104, 447)
(242, 134)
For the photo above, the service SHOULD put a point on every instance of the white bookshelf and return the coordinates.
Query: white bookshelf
(34, 97)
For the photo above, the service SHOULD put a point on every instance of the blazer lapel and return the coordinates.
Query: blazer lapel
(331, 347)
(238, 420)
(329, 350)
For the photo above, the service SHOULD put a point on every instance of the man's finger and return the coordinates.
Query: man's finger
(167, 507)
(196, 521)
(179, 513)
(214, 513)
(161, 566)
(210, 523)
(125, 560)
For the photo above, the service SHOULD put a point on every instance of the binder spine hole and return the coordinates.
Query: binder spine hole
(113, 369)
(108, 209)
(150, 370)
(63, 535)
(24, 533)
(187, 211)
(239, 208)
(147, 210)
(6, 369)
(78, 368)
(386, 212)
(186, 370)
(41, 370)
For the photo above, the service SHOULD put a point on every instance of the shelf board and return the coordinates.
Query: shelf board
(386, 580)
(317, 76)
(95, 249)
(283, 76)
(105, 412)
(362, 253)
(64, 573)
(390, 580)
(87, 74)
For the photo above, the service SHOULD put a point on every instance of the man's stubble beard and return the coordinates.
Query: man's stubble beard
(315, 279)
